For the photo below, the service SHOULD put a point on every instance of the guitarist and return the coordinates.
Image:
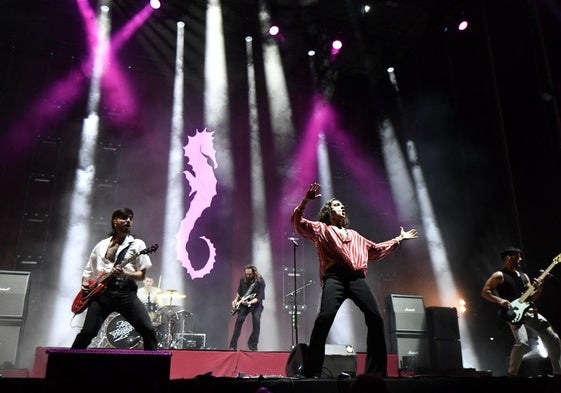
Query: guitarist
(120, 295)
(249, 299)
(507, 285)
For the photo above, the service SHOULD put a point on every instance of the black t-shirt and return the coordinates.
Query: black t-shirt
(513, 285)
(258, 288)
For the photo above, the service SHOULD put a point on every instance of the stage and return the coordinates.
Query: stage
(61, 369)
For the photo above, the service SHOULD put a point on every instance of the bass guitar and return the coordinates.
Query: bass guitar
(236, 307)
(84, 298)
(515, 313)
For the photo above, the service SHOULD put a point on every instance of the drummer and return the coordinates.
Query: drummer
(148, 294)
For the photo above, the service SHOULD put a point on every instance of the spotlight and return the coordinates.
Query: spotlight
(104, 8)
(462, 306)
(463, 25)
(274, 30)
(248, 38)
(390, 70)
(311, 53)
(155, 4)
(336, 47)
(180, 24)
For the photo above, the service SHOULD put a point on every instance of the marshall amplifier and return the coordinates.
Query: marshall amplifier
(406, 313)
(412, 349)
(10, 338)
(13, 294)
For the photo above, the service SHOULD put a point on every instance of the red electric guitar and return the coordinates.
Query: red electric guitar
(83, 299)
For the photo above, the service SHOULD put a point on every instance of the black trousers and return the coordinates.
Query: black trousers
(338, 286)
(125, 302)
(253, 340)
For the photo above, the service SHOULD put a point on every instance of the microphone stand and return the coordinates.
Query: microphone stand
(294, 305)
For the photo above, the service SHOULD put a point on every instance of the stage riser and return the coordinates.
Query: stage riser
(192, 363)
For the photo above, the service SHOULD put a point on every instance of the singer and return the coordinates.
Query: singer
(343, 257)
(506, 286)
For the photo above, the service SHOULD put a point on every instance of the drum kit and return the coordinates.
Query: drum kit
(170, 321)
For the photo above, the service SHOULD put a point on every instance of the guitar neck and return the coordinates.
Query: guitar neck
(531, 289)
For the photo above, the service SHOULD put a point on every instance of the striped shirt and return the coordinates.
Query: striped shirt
(355, 251)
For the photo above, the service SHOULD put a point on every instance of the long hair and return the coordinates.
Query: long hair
(324, 214)
(254, 270)
(124, 212)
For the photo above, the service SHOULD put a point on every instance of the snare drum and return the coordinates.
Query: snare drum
(120, 334)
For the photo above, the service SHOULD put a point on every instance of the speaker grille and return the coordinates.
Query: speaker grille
(13, 293)
(406, 313)
(412, 350)
(446, 354)
(442, 323)
(9, 340)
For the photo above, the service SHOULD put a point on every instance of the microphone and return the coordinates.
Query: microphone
(294, 241)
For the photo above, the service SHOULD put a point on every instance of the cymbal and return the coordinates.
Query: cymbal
(173, 293)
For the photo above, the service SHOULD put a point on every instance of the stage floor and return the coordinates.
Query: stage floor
(230, 371)
(209, 384)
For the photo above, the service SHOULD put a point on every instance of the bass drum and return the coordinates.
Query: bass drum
(120, 334)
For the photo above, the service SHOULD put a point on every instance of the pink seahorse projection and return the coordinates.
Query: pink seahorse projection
(202, 180)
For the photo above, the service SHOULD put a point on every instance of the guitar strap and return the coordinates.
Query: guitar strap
(122, 254)
(120, 283)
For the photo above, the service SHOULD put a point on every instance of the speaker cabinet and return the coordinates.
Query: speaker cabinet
(406, 313)
(13, 291)
(446, 354)
(412, 350)
(129, 370)
(442, 323)
(10, 335)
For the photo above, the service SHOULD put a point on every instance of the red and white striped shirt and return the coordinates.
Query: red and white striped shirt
(355, 251)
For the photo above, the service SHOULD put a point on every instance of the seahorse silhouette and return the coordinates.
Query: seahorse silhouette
(202, 180)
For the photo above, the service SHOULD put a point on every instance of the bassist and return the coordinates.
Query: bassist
(120, 293)
(506, 288)
(249, 300)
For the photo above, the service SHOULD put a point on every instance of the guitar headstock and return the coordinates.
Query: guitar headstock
(557, 259)
(149, 250)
